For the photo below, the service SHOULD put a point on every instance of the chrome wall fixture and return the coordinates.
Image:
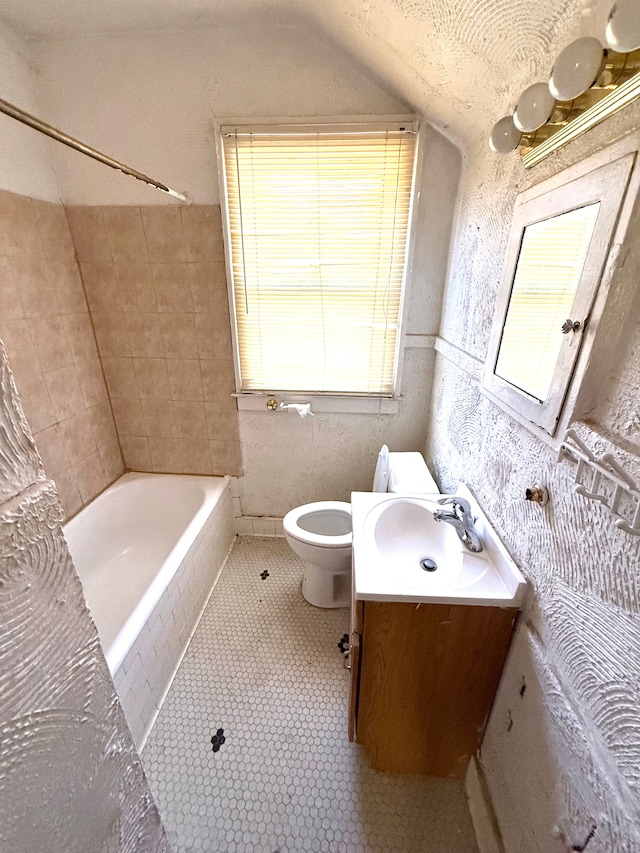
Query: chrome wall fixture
(589, 81)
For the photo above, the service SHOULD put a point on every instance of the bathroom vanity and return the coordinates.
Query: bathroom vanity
(427, 645)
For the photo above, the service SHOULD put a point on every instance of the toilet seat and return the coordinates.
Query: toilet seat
(294, 523)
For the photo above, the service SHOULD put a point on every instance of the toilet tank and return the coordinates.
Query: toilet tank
(408, 473)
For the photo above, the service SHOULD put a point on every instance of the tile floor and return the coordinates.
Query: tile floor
(265, 668)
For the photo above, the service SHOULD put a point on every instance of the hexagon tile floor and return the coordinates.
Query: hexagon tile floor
(250, 753)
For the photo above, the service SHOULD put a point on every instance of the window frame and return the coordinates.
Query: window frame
(603, 178)
(352, 402)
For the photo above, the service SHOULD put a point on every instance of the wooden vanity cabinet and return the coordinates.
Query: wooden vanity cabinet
(423, 679)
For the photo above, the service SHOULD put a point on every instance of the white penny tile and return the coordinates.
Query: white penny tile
(249, 753)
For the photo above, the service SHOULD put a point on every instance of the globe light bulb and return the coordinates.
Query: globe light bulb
(505, 136)
(623, 27)
(576, 69)
(534, 108)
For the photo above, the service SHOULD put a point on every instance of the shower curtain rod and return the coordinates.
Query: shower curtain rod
(54, 133)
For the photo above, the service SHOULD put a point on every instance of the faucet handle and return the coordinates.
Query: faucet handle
(457, 501)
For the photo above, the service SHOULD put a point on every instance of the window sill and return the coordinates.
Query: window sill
(321, 404)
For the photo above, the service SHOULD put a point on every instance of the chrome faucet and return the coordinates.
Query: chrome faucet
(461, 519)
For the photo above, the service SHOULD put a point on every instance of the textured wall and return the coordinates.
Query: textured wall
(25, 156)
(156, 286)
(562, 750)
(167, 98)
(70, 778)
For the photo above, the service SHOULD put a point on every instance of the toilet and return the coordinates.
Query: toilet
(320, 532)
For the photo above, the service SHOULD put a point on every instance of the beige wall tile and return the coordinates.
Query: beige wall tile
(78, 437)
(92, 384)
(121, 377)
(53, 230)
(214, 336)
(50, 342)
(29, 274)
(166, 454)
(179, 335)
(18, 226)
(52, 449)
(21, 352)
(125, 233)
(218, 380)
(159, 418)
(145, 337)
(202, 232)
(135, 450)
(111, 458)
(196, 457)
(80, 337)
(163, 230)
(152, 378)
(69, 493)
(102, 424)
(222, 420)
(209, 289)
(190, 419)
(136, 286)
(64, 278)
(65, 391)
(10, 303)
(185, 379)
(38, 406)
(129, 417)
(101, 286)
(90, 477)
(173, 291)
(225, 457)
(111, 334)
(89, 233)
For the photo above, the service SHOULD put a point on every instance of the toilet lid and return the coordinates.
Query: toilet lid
(381, 476)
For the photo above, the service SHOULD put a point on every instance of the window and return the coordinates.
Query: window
(558, 246)
(317, 223)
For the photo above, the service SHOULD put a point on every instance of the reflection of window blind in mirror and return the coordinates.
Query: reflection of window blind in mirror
(318, 224)
(550, 263)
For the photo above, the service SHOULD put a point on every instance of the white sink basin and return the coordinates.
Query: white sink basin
(401, 553)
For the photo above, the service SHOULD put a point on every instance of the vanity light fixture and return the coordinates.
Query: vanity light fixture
(588, 83)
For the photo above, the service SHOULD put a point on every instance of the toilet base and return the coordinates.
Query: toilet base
(326, 589)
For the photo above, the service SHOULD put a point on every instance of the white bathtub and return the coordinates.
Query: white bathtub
(148, 551)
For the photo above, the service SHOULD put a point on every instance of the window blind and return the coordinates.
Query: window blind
(318, 223)
(548, 273)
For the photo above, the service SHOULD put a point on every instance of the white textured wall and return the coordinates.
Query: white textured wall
(562, 750)
(25, 155)
(149, 100)
(70, 777)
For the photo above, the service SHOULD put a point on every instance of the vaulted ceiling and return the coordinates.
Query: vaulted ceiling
(461, 63)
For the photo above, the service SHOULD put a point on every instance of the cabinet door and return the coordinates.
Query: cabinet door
(428, 676)
(355, 648)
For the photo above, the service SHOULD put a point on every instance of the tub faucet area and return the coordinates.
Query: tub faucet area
(461, 519)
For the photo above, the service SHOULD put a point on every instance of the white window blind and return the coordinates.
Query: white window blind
(318, 224)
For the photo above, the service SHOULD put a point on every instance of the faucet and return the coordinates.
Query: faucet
(461, 519)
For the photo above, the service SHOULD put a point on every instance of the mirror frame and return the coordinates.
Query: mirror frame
(607, 185)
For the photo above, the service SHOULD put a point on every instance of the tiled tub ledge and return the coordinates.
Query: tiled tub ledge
(176, 532)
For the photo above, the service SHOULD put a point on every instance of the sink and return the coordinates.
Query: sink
(401, 553)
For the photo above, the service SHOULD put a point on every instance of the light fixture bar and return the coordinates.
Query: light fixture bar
(620, 97)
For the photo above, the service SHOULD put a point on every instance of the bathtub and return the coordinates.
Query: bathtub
(149, 551)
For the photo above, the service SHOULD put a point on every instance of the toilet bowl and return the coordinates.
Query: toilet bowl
(320, 532)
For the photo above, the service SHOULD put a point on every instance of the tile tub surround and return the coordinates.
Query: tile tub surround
(47, 332)
(156, 287)
(265, 668)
